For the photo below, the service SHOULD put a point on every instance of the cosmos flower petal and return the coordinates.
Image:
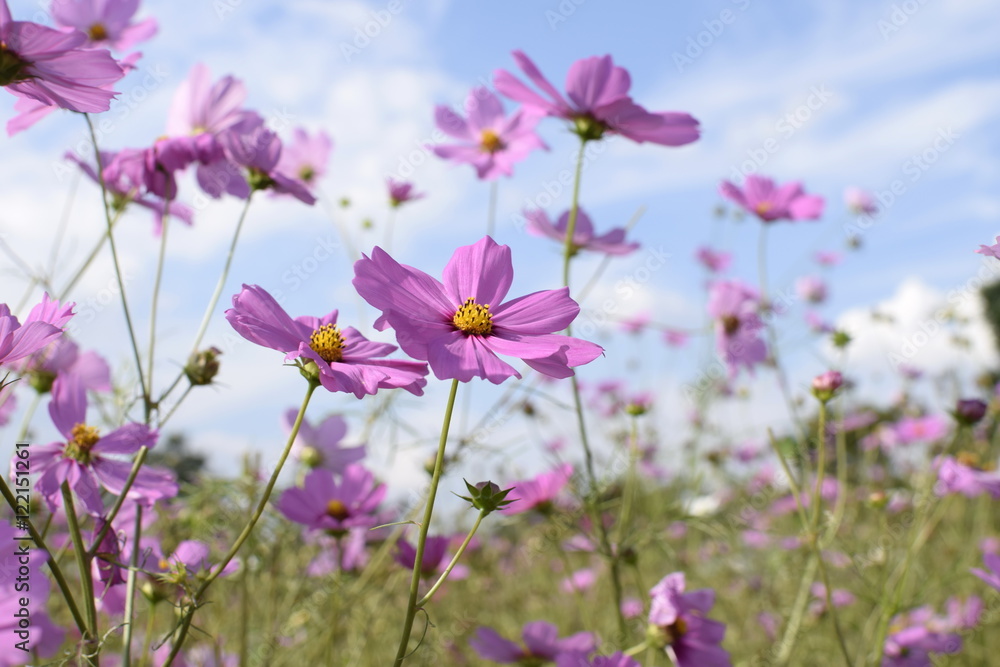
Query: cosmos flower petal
(482, 271)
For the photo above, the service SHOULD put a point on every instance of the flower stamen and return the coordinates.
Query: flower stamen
(490, 141)
(474, 318)
(84, 438)
(328, 343)
(337, 509)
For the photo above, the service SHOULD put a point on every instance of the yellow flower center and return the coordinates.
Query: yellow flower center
(337, 510)
(474, 318)
(84, 438)
(306, 174)
(98, 32)
(328, 343)
(730, 324)
(12, 66)
(677, 630)
(490, 141)
(763, 207)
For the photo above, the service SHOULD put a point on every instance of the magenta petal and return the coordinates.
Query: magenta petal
(491, 646)
(806, 207)
(482, 271)
(538, 313)
(464, 357)
(128, 439)
(68, 406)
(260, 319)
(452, 124)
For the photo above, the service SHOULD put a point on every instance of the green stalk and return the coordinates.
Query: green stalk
(454, 561)
(412, 606)
(130, 589)
(83, 563)
(155, 304)
(261, 506)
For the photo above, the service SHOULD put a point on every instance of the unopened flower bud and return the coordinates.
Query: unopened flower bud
(203, 366)
(487, 496)
(824, 386)
(969, 411)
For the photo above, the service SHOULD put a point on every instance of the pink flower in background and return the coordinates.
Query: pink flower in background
(319, 447)
(539, 493)
(323, 503)
(990, 250)
(42, 326)
(401, 192)
(579, 581)
(635, 324)
(770, 202)
(734, 306)
(46, 637)
(716, 262)
(55, 67)
(488, 140)
(680, 616)
(956, 477)
(105, 22)
(127, 178)
(598, 102)
(675, 338)
(828, 258)
(811, 289)
(860, 202)
(192, 559)
(436, 558)
(541, 643)
(817, 324)
(347, 361)
(584, 238)
(460, 326)
(86, 460)
(202, 109)
(920, 429)
(62, 361)
(912, 646)
(992, 561)
(304, 159)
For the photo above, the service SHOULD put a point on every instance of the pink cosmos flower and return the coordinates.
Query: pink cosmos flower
(436, 558)
(957, 477)
(401, 192)
(322, 503)
(990, 250)
(540, 643)
(716, 262)
(202, 109)
(460, 326)
(859, 201)
(62, 361)
(42, 326)
(192, 559)
(105, 22)
(693, 639)
(584, 238)
(770, 202)
(912, 646)
(816, 323)
(319, 447)
(347, 361)
(929, 428)
(127, 177)
(45, 637)
(541, 492)
(86, 459)
(304, 159)
(675, 338)
(618, 659)
(55, 67)
(345, 553)
(490, 141)
(635, 324)
(734, 306)
(579, 581)
(598, 102)
(811, 289)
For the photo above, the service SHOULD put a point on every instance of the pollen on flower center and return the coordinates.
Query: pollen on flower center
(84, 438)
(730, 324)
(677, 630)
(328, 343)
(337, 509)
(474, 318)
(490, 141)
(763, 207)
(11, 66)
(306, 174)
(98, 32)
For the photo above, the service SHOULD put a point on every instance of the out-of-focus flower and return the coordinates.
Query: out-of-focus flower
(541, 643)
(322, 503)
(677, 619)
(401, 192)
(436, 558)
(957, 477)
(770, 202)
(488, 140)
(990, 250)
(584, 238)
(105, 22)
(860, 202)
(715, 262)
(320, 447)
(969, 411)
(304, 159)
(734, 307)
(825, 385)
(828, 258)
(992, 561)
(541, 492)
(811, 289)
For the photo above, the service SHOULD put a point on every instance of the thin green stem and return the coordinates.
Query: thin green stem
(57, 574)
(210, 310)
(114, 257)
(83, 563)
(261, 506)
(569, 249)
(454, 561)
(411, 606)
(155, 304)
(130, 589)
(140, 458)
(798, 611)
(491, 219)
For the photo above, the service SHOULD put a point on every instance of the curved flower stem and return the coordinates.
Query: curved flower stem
(412, 606)
(454, 561)
(52, 562)
(155, 303)
(83, 562)
(261, 506)
(491, 219)
(569, 251)
(798, 610)
(629, 492)
(222, 278)
(146, 397)
(130, 589)
(140, 458)
(90, 259)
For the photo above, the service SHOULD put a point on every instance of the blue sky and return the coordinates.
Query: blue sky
(848, 93)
